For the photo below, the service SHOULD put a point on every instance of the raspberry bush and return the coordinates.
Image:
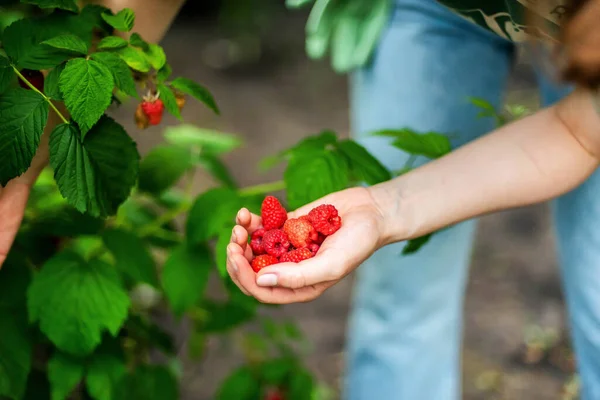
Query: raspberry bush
(99, 254)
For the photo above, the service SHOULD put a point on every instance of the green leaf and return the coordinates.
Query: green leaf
(137, 41)
(213, 142)
(51, 88)
(325, 139)
(120, 72)
(414, 245)
(363, 166)
(87, 87)
(240, 385)
(122, 21)
(156, 56)
(64, 373)
(15, 353)
(149, 382)
(135, 59)
(69, 43)
(76, 301)
(217, 169)
(66, 222)
(7, 74)
(68, 5)
(147, 332)
(164, 73)
(223, 317)
(199, 92)
(163, 167)
(169, 100)
(92, 15)
(301, 384)
(431, 145)
(298, 3)
(103, 375)
(132, 257)
(23, 116)
(185, 275)
(38, 386)
(221, 250)
(314, 174)
(95, 174)
(112, 43)
(212, 212)
(15, 277)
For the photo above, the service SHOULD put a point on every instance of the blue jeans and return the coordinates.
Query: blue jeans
(405, 328)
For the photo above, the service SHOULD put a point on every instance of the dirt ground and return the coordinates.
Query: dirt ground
(513, 281)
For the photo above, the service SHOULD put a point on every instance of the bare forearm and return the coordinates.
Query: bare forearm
(529, 161)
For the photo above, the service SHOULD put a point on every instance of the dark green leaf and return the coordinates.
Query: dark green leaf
(414, 245)
(321, 141)
(15, 354)
(301, 385)
(64, 373)
(164, 73)
(112, 43)
(185, 275)
(68, 5)
(103, 375)
(148, 382)
(94, 174)
(222, 317)
(137, 41)
(169, 100)
(135, 59)
(7, 74)
(122, 21)
(163, 167)
(66, 222)
(363, 166)
(38, 387)
(199, 92)
(217, 169)
(240, 385)
(23, 117)
(212, 212)
(209, 141)
(69, 43)
(15, 277)
(51, 88)
(120, 71)
(150, 334)
(132, 257)
(275, 372)
(92, 15)
(432, 145)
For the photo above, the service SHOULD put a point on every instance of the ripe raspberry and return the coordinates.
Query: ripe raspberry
(263, 261)
(320, 239)
(256, 242)
(141, 120)
(314, 248)
(300, 232)
(36, 78)
(273, 214)
(276, 242)
(295, 256)
(325, 219)
(153, 110)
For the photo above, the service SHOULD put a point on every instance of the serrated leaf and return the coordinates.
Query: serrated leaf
(185, 275)
(64, 373)
(148, 382)
(169, 100)
(51, 88)
(314, 174)
(15, 354)
(163, 167)
(431, 145)
(212, 212)
(122, 21)
(131, 255)
(363, 165)
(103, 375)
(135, 59)
(94, 174)
(86, 86)
(7, 74)
(68, 5)
(217, 169)
(201, 93)
(112, 43)
(120, 72)
(76, 301)
(23, 117)
(414, 245)
(156, 56)
(69, 43)
(208, 140)
(239, 385)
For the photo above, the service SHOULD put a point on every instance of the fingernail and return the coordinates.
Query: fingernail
(267, 280)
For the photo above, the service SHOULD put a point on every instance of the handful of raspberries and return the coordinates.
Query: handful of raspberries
(291, 240)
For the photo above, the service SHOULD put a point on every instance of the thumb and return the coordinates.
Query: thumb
(310, 272)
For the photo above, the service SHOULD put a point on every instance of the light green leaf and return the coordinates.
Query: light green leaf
(156, 56)
(363, 166)
(94, 174)
(131, 255)
(185, 275)
(69, 43)
(212, 212)
(103, 375)
(209, 141)
(112, 43)
(86, 86)
(76, 301)
(240, 385)
(217, 169)
(431, 145)
(135, 58)
(64, 373)
(15, 353)
(122, 21)
(319, 27)
(7, 74)
(199, 92)
(163, 167)
(297, 3)
(51, 88)
(169, 100)
(23, 117)
(120, 71)
(68, 5)
(149, 382)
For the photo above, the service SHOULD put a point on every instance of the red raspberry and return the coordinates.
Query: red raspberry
(276, 242)
(320, 239)
(314, 248)
(300, 232)
(263, 261)
(36, 78)
(256, 242)
(153, 110)
(274, 394)
(295, 256)
(273, 214)
(325, 219)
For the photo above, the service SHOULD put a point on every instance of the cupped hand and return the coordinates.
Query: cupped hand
(360, 235)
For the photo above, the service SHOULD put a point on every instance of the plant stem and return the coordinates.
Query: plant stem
(48, 100)
(164, 218)
(262, 188)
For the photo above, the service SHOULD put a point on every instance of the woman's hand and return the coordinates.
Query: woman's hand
(360, 235)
